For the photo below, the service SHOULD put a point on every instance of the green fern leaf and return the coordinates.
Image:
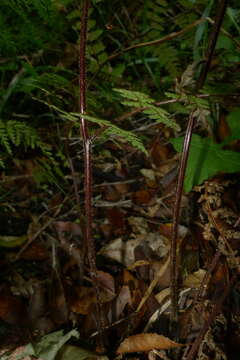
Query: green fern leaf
(137, 99)
(112, 129)
(17, 133)
(4, 138)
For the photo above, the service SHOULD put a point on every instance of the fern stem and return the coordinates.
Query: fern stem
(87, 147)
(176, 216)
(184, 159)
(212, 42)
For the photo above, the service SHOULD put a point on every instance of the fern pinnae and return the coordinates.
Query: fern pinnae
(137, 99)
(4, 138)
(17, 133)
(112, 129)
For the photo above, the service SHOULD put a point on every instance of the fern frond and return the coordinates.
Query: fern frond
(112, 129)
(44, 8)
(134, 98)
(4, 138)
(137, 99)
(17, 133)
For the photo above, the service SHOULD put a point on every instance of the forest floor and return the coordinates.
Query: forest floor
(47, 289)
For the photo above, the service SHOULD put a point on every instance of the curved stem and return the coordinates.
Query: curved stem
(184, 158)
(176, 216)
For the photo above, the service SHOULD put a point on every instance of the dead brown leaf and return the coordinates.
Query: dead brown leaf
(195, 279)
(13, 310)
(124, 297)
(84, 298)
(35, 252)
(143, 197)
(68, 227)
(159, 152)
(111, 193)
(146, 342)
(107, 286)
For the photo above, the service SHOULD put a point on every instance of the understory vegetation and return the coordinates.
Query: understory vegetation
(119, 182)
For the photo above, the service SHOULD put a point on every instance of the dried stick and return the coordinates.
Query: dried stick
(87, 147)
(184, 158)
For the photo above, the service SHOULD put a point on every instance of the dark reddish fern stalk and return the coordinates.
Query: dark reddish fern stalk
(87, 147)
(184, 158)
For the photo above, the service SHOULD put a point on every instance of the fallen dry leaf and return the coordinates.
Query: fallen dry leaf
(146, 342)
(68, 227)
(143, 197)
(35, 252)
(121, 251)
(195, 279)
(111, 193)
(107, 286)
(84, 298)
(124, 297)
(13, 310)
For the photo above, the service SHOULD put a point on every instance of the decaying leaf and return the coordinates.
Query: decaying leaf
(85, 297)
(71, 352)
(146, 342)
(48, 347)
(124, 297)
(194, 280)
(121, 251)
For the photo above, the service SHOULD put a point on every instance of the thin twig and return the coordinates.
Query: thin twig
(171, 36)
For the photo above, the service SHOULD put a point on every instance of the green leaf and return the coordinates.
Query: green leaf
(8, 241)
(233, 16)
(233, 120)
(206, 159)
(112, 129)
(94, 35)
(140, 100)
(48, 347)
(224, 43)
